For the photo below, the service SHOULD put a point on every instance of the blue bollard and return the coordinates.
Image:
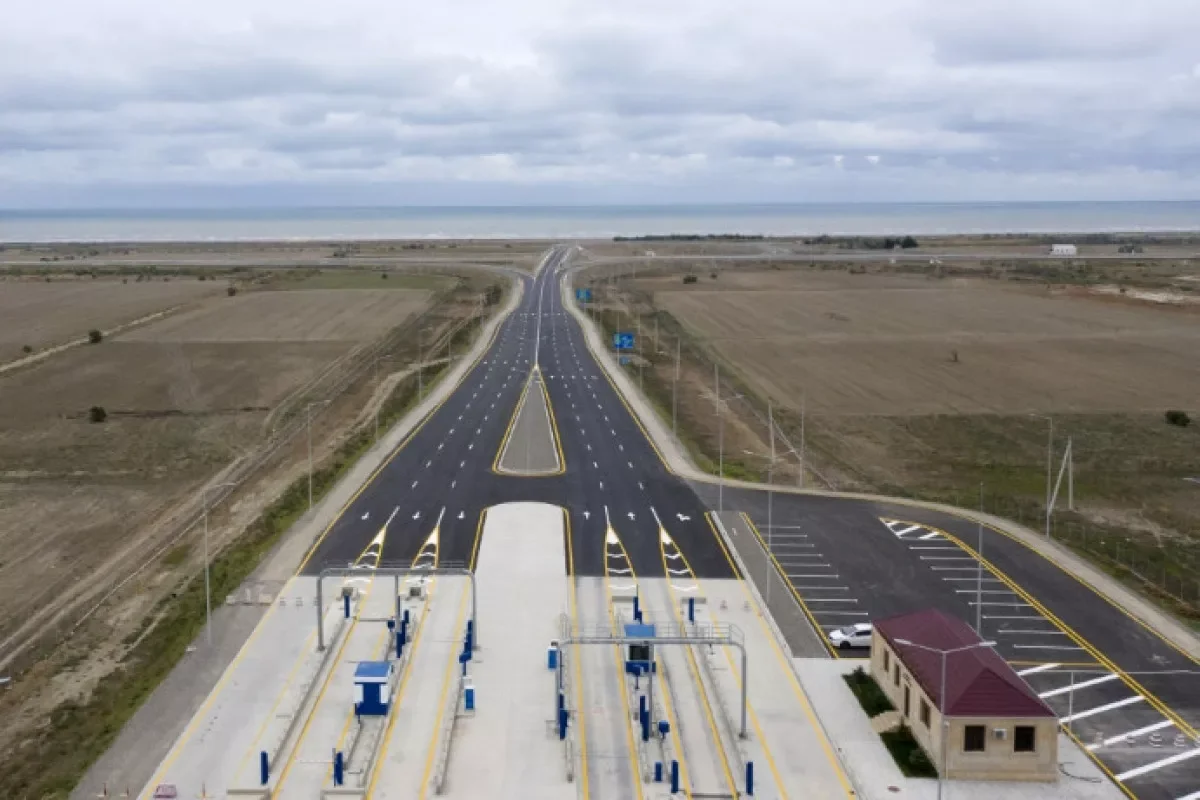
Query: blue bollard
(346, 606)
(674, 777)
(406, 616)
(664, 728)
(750, 778)
(404, 633)
(641, 705)
(637, 609)
(399, 645)
(562, 723)
(469, 698)
(391, 623)
(692, 610)
(552, 657)
(645, 720)
(562, 702)
(264, 768)
(658, 770)
(338, 769)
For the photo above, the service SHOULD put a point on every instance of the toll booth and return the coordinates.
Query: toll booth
(372, 688)
(639, 656)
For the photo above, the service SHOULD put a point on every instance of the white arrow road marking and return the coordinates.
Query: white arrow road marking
(451, 432)
(417, 515)
(607, 521)
(462, 515)
(632, 515)
(414, 485)
(471, 446)
(587, 514)
(640, 486)
(630, 463)
(395, 511)
(366, 515)
(453, 483)
(589, 447)
(621, 447)
(683, 517)
(595, 465)
(440, 446)
(427, 463)
(601, 484)
(462, 464)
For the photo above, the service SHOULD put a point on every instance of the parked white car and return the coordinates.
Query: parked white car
(856, 635)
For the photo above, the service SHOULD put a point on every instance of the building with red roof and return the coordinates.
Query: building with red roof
(994, 726)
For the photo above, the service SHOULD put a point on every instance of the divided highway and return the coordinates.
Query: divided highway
(443, 475)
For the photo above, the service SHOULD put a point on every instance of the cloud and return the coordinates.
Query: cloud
(698, 100)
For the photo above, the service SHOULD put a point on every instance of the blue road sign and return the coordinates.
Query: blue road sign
(624, 361)
(583, 295)
(623, 341)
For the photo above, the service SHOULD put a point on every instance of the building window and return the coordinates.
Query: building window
(887, 661)
(1024, 739)
(907, 701)
(924, 713)
(974, 738)
(896, 676)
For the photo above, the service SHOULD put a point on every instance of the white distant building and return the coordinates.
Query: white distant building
(1064, 250)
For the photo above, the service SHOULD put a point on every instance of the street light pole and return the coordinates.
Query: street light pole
(770, 491)
(942, 697)
(720, 439)
(675, 393)
(803, 399)
(1049, 469)
(308, 426)
(207, 580)
(979, 572)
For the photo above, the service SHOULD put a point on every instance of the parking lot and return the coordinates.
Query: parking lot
(848, 567)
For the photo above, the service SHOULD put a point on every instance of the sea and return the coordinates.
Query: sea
(592, 222)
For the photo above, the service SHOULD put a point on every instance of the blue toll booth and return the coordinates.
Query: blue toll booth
(639, 656)
(372, 692)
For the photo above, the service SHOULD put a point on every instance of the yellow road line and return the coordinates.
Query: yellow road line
(1128, 679)
(446, 678)
(791, 587)
(396, 710)
(583, 765)
(202, 712)
(562, 459)
(618, 664)
(790, 671)
(684, 780)
(400, 447)
(694, 668)
(1087, 584)
(512, 423)
(287, 766)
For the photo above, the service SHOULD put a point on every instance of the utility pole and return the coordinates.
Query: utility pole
(770, 493)
(308, 425)
(420, 364)
(720, 439)
(675, 392)
(802, 414)
(979, 571)
(641, 377)
(1049, 469)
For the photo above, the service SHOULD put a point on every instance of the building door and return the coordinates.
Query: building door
(907, 700)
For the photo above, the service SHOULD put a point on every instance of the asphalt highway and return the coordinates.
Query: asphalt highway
(442, 477)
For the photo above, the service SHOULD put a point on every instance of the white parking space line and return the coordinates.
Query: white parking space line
(816, 577)
(838, 611)
(821, 588)
(1034, 633)
(1091, 712)
(985, 591)
(929, 536)
(1165, 762)
(1077, 686)
(954, 569)
(1044, 647)
(830, 600)
(1192, 796)
(935, 547)
(948, 558)
(986, 579)
(1037, 669)
(906, 531)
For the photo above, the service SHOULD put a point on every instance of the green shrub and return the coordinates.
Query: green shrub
(689, 279)
(97, 414)
(95, 336)
(1179, 418)
(872, 698)
(907, 753)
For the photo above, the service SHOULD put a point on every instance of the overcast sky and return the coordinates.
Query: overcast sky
(128, 102)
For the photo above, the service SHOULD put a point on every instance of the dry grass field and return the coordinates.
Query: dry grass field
(932, 386)
(857, 345)
(40, 314)
(184, 395)
(310, 315)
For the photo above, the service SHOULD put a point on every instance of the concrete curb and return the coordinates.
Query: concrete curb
(677, 460)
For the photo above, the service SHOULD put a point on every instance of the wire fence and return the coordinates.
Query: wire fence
(1168, 569)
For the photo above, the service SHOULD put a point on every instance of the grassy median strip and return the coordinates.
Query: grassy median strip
(912, 760)
(50, 763)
